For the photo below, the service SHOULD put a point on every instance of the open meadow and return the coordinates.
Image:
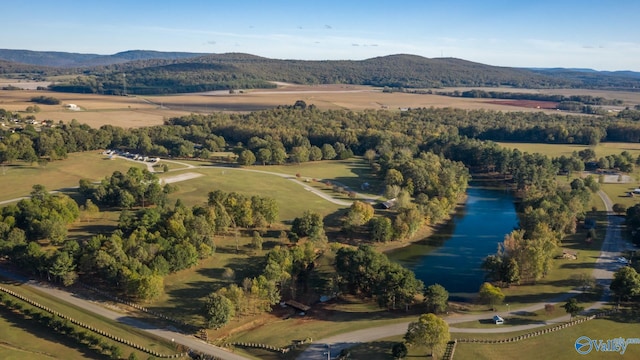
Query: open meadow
(13, 344)
(136, 111)
(18, 178)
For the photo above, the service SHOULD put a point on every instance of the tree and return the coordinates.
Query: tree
(436, 298)
(490, 295)
(399, 350)
(625, 283)
(328, 152)
(359, 214)
(381, 229)
(430, 331)
(572, 307)
(218, 310)
(619, 208)
(315, 153)
(263, 155)
(256, 241)
(584, 281)
(370, 155)
(393, 177)
(246, 158)
(307, 225)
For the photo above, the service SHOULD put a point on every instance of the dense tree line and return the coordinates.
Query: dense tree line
(137, 187)
(148, 243)
(300, 134)
(546, 215)
(582, 99)
(368, 273)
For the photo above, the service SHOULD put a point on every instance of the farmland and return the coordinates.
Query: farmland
(138, 111)
(185, 289)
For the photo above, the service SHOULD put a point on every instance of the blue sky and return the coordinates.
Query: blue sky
(603, 35)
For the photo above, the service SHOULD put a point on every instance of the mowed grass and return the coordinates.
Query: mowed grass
(351, 172)
(18, 179)
(110, 326)
(554, 345)
(20, 339)
(186, 290)
(292, 198)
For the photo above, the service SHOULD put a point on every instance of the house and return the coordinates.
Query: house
(498, 320)
(73, 107)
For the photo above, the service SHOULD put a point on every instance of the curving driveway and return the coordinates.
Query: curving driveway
(604, 268)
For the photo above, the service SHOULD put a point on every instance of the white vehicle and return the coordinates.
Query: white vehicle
(622, 260)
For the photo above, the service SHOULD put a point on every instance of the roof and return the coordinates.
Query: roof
(297, 305)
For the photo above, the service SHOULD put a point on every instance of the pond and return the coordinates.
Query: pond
(453, 255)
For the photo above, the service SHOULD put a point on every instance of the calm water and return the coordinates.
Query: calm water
(453, 256)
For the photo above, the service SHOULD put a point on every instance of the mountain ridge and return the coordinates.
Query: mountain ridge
(156, 72)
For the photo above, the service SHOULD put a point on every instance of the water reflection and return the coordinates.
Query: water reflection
(452, 257)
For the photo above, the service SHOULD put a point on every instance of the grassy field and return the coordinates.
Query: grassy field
(555, 345)
(18, 179)
(137, 111)
(292, 198)
(352, 173)
(556, 150)
(21, 339)
(115, 328)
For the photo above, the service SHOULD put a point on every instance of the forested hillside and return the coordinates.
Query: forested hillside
(148, 72)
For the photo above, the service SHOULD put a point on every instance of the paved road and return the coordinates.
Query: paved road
(605, 266)
(94, 307)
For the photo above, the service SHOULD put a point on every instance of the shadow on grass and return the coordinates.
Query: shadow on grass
(33, 327)
(537, 298)
(575, 265)
(628, 316)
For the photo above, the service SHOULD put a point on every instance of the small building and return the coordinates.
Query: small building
(389, 204)
(498, 320)
(73, 107)
(298, 306)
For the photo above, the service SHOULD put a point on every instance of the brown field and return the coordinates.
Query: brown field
(138, 111)
(532, 104)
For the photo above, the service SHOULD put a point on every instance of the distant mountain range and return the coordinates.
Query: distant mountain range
(147, 72)
(71, 60)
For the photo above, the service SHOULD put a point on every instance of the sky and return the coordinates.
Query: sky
(601, 35)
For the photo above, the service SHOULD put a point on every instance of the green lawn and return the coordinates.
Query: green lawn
(554, 345)
(185, 290)
(126, 332)
(21, 339)
(18, 179)
(292, 198)
(351, 172)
